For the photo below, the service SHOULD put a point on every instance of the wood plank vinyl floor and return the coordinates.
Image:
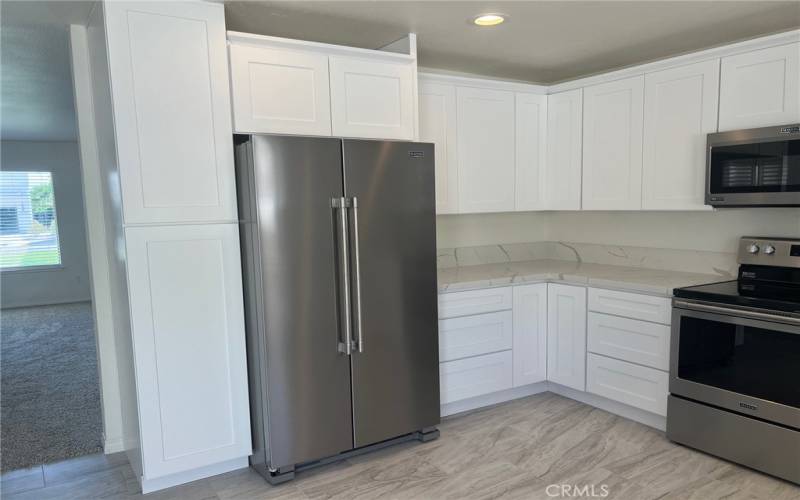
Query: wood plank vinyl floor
(514, 450)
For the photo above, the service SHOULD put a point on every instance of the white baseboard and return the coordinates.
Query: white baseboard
(160, 483)
(643, 417)
(113, 445)
(492, 399)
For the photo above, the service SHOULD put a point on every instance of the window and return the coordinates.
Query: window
(28, 226)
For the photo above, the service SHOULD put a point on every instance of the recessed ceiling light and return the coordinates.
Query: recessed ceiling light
(489, 19)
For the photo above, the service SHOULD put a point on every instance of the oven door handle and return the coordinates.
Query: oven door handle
(742, 313)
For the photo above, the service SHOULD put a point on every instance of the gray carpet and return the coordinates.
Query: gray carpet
(49, 386)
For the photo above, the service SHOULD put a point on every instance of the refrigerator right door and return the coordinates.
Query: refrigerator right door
(395, 366)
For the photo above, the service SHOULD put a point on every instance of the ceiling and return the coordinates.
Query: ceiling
(542, 42)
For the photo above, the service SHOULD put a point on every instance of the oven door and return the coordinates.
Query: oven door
(740, 360)
(753, 167)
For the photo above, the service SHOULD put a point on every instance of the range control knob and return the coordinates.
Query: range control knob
(753, 248)
(769, 249)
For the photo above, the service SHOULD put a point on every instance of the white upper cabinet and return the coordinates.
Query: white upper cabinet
(680, 109)
(173, 120)
(564, 138)
(485, 150)
(612, 145)
(566, 335)
(530, 334)
(279, 91)
(760, 88)
(372, 99)
(437, 124)
(185, 290)
(531, 149)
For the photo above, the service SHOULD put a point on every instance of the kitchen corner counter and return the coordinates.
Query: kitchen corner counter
(634, 279)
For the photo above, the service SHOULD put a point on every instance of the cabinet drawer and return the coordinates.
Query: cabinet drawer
(634, 385)
(630, 305)
(473, 335)
(467, 378)
(474, 302)
(630, 340)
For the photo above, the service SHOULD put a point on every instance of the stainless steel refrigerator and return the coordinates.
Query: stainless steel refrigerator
(339, 263)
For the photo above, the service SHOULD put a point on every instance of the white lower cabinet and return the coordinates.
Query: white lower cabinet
(470, 377)
(629, 339)
(566, 335)
(473, 335)
(637, 386)
(530, 334)
(187, 324)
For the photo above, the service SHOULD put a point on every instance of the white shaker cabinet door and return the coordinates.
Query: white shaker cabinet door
(612, 145)
(485, 150)
(372, 99)
(564, 142)
(437, 124)
(279, 91)
(760, 88)
(530, 334)
(187, 322)
(531, 138)
(169, 80)
(566, 335)
(680, 110)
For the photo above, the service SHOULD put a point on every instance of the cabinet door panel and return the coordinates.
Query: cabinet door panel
(471, 377)
(530, 334)
(612, 145)
(680, 110)
(760, 88)
(187, 325)
(485, 150)
(629, 340)
(173, 119)
(531, 134)
(566, 335)
(437, 124)
(472, 302)
(372, 99)
(473, 335)
(564, 142)
(279, 91)
(634, 385)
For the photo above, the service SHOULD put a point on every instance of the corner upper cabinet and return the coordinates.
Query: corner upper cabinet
(485, 150)
(531, 149)
(680, 110)
(760, 88)
(564, 142)
(612, 145)
(279, 91)
(372, 99)
(437, 124)
(566, 335)
(173, 120)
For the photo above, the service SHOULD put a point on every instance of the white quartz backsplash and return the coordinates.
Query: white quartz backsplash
(690, 261)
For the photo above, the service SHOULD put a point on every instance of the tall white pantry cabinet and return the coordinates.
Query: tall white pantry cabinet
(170, 100)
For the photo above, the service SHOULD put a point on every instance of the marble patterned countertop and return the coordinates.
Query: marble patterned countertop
(634, 279)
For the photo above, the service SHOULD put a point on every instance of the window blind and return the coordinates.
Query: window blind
(28, 222)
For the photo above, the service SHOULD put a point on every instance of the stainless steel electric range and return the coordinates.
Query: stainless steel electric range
(735, 361)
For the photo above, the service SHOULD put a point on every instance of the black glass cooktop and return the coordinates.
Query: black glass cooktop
(776, 296)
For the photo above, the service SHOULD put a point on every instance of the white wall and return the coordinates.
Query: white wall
(70, 282)
(486, 229)
(716, 231)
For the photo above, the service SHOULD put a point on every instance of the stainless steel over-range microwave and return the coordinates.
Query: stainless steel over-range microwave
(754, 167)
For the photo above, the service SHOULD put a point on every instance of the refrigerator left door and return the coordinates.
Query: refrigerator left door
(290, 238)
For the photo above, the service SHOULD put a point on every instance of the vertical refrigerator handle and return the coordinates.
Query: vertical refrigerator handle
(341, 204)
(357, 256)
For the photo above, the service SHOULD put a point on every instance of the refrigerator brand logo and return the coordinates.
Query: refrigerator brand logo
(416, 154)
(794, 129)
